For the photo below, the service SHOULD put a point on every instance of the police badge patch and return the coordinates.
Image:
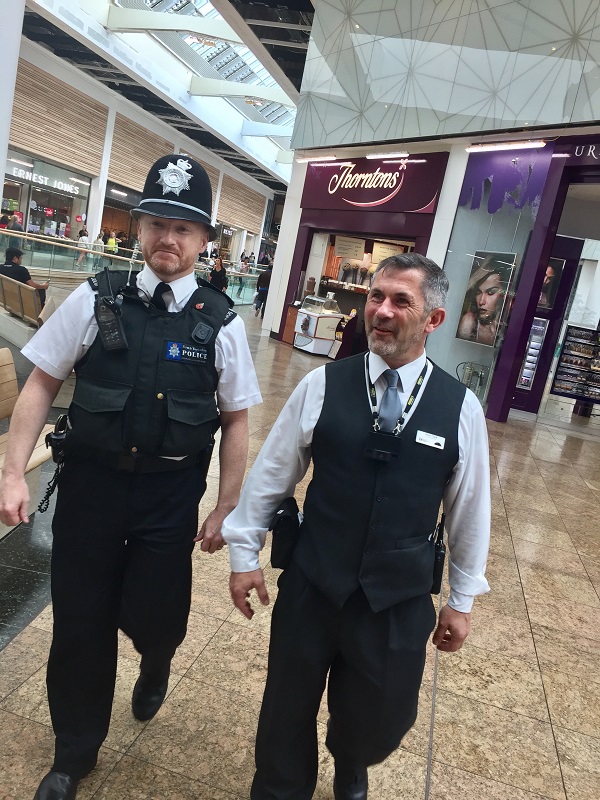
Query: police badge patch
(180, 351)
(175, 177)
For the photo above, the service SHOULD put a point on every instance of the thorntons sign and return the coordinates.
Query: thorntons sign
(402, 185)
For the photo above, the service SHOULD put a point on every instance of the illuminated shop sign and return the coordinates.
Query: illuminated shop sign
(399, 185)
(33, 171)
(44, 180)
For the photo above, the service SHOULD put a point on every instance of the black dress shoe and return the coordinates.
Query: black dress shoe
(350, 782)
(57, 786)
(148, 696)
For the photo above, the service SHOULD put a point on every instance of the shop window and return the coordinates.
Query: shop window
(489, 238)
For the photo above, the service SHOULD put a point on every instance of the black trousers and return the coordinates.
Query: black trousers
(375, 664)
(121, 558)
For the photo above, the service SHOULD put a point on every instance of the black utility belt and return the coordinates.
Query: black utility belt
(127, 462)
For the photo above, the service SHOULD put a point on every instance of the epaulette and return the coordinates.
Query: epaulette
(93, 282)
(230, 315)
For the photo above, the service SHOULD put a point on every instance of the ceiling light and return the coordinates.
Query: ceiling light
(308, 159)
(408, 161)
(24, 163)
(486, 148)
(255, 101)
(121, 194)
(387, 155)
(561, 155)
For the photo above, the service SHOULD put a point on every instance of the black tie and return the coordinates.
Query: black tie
(158, 301)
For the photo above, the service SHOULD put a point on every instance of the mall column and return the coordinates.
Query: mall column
(11, 27)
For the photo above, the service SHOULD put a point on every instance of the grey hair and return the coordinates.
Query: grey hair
(434, 283)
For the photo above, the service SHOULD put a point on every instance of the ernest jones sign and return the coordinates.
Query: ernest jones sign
(404, 185)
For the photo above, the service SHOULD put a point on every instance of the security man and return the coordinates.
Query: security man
(161, 363)
(391, 437)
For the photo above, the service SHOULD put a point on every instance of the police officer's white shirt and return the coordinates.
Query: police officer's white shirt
(285, 457)
(72, 328)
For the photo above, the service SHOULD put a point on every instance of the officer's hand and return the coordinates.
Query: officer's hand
(210, 532)
(14, 500)
(240, 584)
(452, 629)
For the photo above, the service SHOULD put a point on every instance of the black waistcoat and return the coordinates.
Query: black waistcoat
(368, 523)
(157, 397)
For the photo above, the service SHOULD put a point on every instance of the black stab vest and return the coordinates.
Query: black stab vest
(158, 397)
(368, 523)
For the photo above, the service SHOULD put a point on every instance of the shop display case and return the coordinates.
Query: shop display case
(537, 334)
(316, 324)
(578, 371)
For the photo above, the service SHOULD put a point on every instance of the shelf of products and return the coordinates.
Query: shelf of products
(537, 334)
(578, 371)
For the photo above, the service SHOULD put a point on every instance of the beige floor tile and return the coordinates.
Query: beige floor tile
(563, 615)
(572, 488)
(574, 701)
(200, 630)
(44, 619)
(22, 658)
(401, 777)
(516, 516)
(30, 699)
(579, 757)
(494, 679)
(519, 502)
(556, 536)
(210, 595)
(448, 783)
(27, 750)
(497, 744)
(504, 599)
(572, 653)
(235, 660)
(569, 504)
(502, 569)
(133, 779)
(507, 635)
(561, 585)
(205, 734)
(550, 557)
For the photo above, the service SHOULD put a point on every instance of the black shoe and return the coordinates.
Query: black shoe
(350, 782)
(148, 696)
(57, 786)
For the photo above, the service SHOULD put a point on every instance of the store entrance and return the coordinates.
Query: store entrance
(560, 376)
(560, 274)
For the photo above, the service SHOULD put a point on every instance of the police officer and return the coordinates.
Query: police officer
(391, 436)
(161, 363)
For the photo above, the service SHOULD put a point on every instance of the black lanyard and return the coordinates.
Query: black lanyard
(413, 396)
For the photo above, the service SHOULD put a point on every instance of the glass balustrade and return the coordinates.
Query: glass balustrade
(47, 254)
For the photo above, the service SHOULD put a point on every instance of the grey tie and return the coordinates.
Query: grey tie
(390, 408)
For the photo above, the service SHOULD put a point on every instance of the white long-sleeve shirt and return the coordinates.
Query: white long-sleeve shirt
(285, 458)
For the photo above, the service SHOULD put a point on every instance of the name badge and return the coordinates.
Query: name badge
(430, 439)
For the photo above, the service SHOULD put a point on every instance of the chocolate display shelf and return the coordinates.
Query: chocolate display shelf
(578, 372)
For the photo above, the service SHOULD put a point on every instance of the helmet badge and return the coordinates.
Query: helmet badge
(175, 177)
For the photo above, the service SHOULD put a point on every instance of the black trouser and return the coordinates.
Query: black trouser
(375, 663)
(121, 557)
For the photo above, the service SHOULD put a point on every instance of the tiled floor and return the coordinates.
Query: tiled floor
(517, 710)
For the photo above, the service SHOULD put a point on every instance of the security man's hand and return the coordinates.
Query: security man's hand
(240, 584)
(14, 500)
(452, 629)
(210, 532)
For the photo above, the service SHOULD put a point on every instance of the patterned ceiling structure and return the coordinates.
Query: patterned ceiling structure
(381, 70)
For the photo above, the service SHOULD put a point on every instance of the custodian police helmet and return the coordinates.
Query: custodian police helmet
(177, 187)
